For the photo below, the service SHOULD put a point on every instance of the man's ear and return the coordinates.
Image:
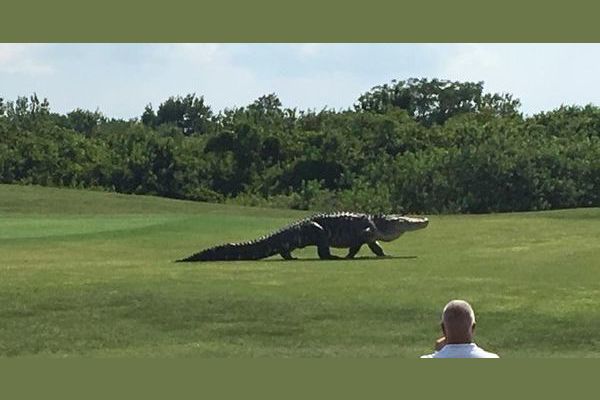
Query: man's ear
(443, 328)
(473, 328)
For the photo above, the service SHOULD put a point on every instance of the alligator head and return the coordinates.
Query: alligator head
(391, 226)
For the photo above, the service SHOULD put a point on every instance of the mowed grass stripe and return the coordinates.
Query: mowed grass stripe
(100, 280)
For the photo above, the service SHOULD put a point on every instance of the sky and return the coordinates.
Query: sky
(121, 79)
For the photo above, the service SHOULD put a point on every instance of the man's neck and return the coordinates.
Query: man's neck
(459, 341)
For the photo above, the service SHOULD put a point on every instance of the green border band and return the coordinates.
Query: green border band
(300, 21)
(300, 378)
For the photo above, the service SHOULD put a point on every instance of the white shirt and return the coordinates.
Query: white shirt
(466, 350)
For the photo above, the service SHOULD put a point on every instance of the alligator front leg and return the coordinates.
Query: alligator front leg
(353, 250)
(376, 248)
(325, 253)
(287, 255)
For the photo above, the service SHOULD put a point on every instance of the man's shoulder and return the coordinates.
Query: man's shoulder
(461, 351)
(478, 352)
(487, 354)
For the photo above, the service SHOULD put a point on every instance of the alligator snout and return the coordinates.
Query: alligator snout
(419, 222)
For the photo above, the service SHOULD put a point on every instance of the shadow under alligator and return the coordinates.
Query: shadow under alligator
(363, 258)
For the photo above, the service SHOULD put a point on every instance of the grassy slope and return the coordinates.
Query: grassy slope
(91, 273)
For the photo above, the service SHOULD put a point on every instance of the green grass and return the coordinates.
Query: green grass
(91, 274)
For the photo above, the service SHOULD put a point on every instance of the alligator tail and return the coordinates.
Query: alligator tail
(253, 250)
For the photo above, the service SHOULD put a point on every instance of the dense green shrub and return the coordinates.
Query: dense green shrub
(412, 146)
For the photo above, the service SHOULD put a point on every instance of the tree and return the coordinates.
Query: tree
(84, 121)
(435, 101)
(149, 116)
(27, 113)
(189, 113)
(267, 105)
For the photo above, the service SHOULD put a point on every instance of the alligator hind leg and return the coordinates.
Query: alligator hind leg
(322, 243)
(376, 248)
(353, 250)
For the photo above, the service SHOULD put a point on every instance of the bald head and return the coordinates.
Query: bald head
(458, 322)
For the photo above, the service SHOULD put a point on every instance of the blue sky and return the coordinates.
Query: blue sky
(120, 79)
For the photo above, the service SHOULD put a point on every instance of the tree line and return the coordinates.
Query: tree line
(416, 145)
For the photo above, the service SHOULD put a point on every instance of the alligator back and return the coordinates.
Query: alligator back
(344, 229)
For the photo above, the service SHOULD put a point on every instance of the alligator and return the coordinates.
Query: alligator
(340, 230)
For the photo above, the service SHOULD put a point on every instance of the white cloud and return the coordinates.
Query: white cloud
(543, 76)
(22, 59)
(197, 53)
(208, 70)
(334, 90)
(471, 58)
(308, 50)
(120, 79)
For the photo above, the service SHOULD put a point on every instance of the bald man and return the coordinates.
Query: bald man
(458, 326)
